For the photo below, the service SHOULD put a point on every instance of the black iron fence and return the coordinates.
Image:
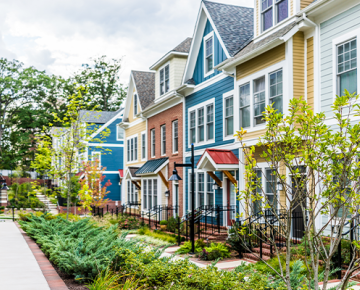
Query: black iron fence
(158, 213)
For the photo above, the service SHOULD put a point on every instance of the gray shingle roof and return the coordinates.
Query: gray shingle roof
(255, 45)
(151, 166)
(235, 24)
(98, 117)
(145, 86)
(184, 46)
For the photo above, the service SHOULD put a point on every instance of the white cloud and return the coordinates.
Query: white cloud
(60, 35)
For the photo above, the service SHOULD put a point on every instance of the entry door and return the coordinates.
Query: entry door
(231, 202)
(298, 226)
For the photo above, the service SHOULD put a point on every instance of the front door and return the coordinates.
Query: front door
(298, 226)
(231, 202)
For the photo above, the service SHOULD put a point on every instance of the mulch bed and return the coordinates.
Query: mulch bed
(69, 280)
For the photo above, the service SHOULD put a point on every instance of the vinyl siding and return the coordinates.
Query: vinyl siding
(261, 62)
(137, 129)
(214, 91)
(177, 71)
(113, 133)
(298, 65)
(219, 57)
(254, 134)
(310, 71)
(114, 189)
(305, 3)
(330, 29)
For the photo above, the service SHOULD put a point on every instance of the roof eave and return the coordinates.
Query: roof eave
(166, 57)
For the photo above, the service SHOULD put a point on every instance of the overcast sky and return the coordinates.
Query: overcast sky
(60, 35)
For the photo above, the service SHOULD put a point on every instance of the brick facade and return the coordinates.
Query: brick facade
(166, 118)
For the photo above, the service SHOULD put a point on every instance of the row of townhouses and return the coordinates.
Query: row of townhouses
(238, 61)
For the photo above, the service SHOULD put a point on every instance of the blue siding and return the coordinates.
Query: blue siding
(112, 137)
(114, 189)
(219, 57)
(329, 30)
(214, 91)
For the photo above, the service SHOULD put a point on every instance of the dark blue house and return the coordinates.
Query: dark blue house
(210, 105)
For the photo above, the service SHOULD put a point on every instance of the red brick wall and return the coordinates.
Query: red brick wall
(155, 122)
(10, 181)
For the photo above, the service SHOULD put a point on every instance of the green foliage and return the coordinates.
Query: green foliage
(24, 196)
(126, 222)
(25, 216)
(214, 252)
(163, 223)
(186, 247)
(170, 239)
(152, 241)
(172, 224)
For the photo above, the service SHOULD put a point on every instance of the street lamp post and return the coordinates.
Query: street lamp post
(176, 177)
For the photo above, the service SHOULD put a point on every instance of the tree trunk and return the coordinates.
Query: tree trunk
(68, 197)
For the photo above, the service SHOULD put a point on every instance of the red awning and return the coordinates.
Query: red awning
(79, 173)
(121, 173)
(218, 159)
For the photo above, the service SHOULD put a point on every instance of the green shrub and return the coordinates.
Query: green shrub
(2, 207)
(25, 216)
(158, 235)
(186, 247)
(172, 225)
(214, 252)
(24, 196)
(163, 223)
(152, 241)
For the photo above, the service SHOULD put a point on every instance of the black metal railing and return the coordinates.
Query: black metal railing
(158, 213)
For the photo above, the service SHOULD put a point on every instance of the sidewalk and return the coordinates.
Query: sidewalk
(19, 269)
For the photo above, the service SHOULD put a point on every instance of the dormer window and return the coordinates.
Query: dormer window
(209, 53)
(164, 80)
(135, 105)
(273, 12)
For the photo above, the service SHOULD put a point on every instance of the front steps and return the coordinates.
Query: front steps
(49, 206)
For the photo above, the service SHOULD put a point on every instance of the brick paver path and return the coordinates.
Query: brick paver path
(22, 264)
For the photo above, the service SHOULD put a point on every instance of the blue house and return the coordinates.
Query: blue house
(221, 31)
(109, 151)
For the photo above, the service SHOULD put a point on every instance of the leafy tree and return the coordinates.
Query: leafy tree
(62, 159)
(101, 79)
(323, 164)
(93, 188)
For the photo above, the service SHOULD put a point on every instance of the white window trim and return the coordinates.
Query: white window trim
(142, 134)
(275, 23)
(206, 37)
(152, 192)
(95, 153)
(173, 135)
(197, 196)
(225, 96)
(159, 84)
(163, 150)
(137, 103)
(117, 133)
(250, 79)
(151, 143)
(195, 108)
(339, 40)
(137, 156)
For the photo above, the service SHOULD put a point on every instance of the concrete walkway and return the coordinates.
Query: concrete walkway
(19, 269)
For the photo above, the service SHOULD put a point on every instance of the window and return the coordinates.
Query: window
(259, 100)
(204, 193)
(150, 193)
(201, 131)
(143, 145)
(270, 187)
(192, 127)
(132, 149)
(96, 158)
(347, 67)
(229, 116)
(132, 192)
(135, 105)
(175, 136)
(245, 105)
(201, 188)
(257, 204)
(210, 122)
(209, 190)
(163, 139)
(201, 123)
(152, 135)
(145, 198)
(276, 91)
(164, 80)
(155, 192)
(119, 133)
(271, 10)
(209, 53)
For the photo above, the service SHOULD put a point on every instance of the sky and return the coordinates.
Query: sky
(58, 36)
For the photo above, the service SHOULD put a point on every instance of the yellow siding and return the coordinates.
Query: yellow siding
(298, 65)
(131, 111)
(137, 129)
(305, 3)
(261, 62)
(255, 134)
(310, 71)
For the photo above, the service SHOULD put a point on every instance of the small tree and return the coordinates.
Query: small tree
(93, 189)
(63, 160)
(318, 168)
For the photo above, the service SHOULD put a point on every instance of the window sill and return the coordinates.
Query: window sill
(209, 73)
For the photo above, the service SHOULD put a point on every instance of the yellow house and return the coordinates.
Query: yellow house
(276, 66)
(141, 94)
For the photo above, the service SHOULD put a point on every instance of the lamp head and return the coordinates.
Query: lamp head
(175, 176)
